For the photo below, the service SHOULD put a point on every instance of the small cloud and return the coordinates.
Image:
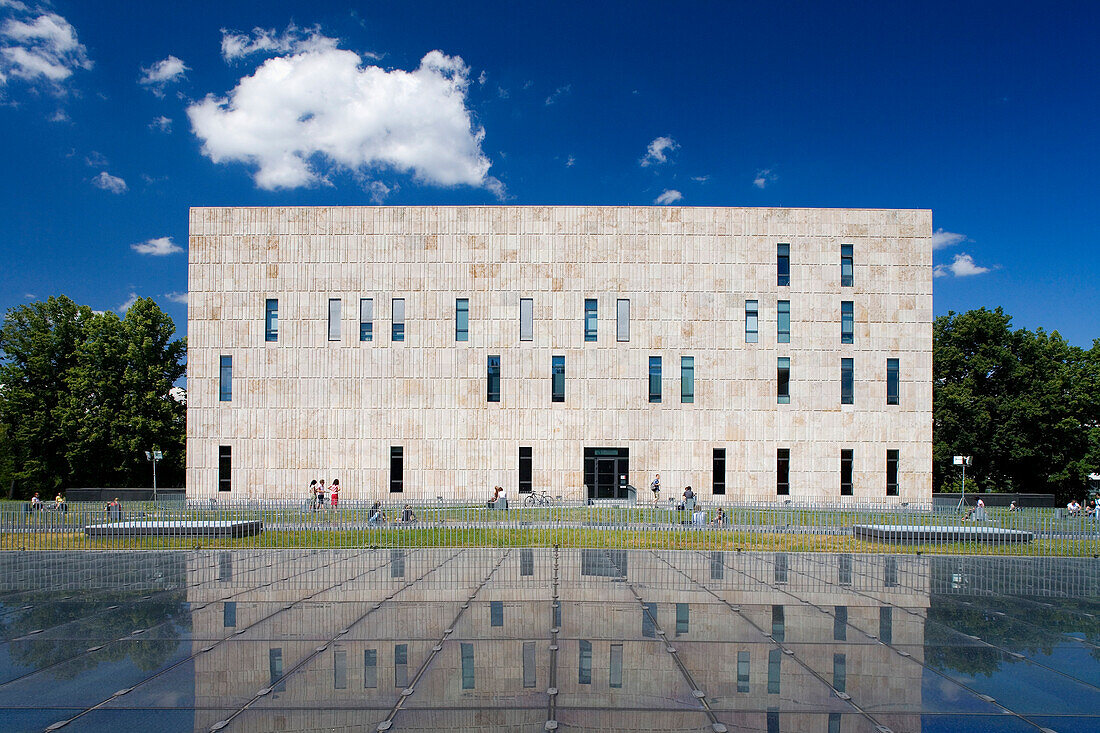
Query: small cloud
(28, 296)
(59, 116)
(161, 74)
(570, 162)
(161, 124)
(157, 247)
(502, 92)
(482, 78)
(107, 182)
(176, 297)
(95, 159)
(557, 94)
(528, 84)
(764, 176)
(670, 196)
(941, 239)
(150, 180)
(127, 303)
(378, 191)
(962, 266)
(700, 179)
(658, 150)
(237, 46)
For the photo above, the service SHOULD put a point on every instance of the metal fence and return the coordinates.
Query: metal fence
(762, 526)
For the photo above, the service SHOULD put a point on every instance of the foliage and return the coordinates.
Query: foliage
(1024, 404)
(83, 395)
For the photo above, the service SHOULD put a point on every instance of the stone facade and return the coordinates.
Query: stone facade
(304, 406)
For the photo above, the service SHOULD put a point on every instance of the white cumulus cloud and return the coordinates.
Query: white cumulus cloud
(263, 41)
(176, 297)
(158, 247)
(962, 266)
(125, 306)
(941, 239)
(658, 150)
(161, 123)
(162, 73)
(39, 48)
(107, 182)
(669, 196)
(764, 176)
(298, 117)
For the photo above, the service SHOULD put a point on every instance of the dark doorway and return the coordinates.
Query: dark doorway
(606, 472)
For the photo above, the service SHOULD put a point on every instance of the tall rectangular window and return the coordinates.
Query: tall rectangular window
(687, 379)
(840, 623)
(846, 455)
(892, 472)
(462, 319)
(492, 379)
(225, 468)
(370, 669)
(779, 623)
(527, 562)
(397, 469)
(783, 380)
(844, 570)
(334, 319)
(783, 322)
(847, 322)
(229, 614)
(274, 665)
(890, 572)
(622, 319)
(525, 483)
(366, 319)
(649, 620)
(400, 665)
(718, 468)
(783, 471)
(717, 566)
(781, 567)
(557, 379)
(654, 379)
(225, 379)
(840, 672)
(847, 382)
(397, 330)
(271, 320)
(775, 659)
(496, 613)
(584, 662)
(893, 382)
(783, 264)
(742, 671)
(886, 624)
(752, 321)
(467, 665)
(529, 665)
(339, 669)
(683, 616)
(615, 674)
(846, 266)
(590, 319)
(526, 319)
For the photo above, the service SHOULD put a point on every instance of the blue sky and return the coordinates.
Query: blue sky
(115, 117)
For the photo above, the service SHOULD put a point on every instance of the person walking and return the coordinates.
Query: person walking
(656, 487)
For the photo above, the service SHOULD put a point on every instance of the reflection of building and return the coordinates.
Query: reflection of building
(338, 635)
(750, 353)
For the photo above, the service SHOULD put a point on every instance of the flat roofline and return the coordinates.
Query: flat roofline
(559, 206)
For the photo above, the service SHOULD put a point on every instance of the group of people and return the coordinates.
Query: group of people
(688, 500)
(319, 495)
(1074, 509)
(499, 498)
(377, 515)
(58, 505)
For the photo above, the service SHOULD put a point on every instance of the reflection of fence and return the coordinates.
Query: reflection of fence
(770, 527)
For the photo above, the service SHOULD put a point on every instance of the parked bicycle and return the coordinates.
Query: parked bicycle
(541, 498)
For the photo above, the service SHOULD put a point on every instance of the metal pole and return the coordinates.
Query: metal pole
(154, 478)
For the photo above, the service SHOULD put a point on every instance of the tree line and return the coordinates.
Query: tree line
(84, 394)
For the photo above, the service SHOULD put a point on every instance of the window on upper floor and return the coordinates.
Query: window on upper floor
(492, 379)
(366, 319)
(622, 319)
(847, 382)
(397, 331)
(783, 264)
(526, 319)
(557, 379)
(225, 378)
(893, 381)
(334, 319)
(783, 380)
(847, 322)
(462, 319)
(783, 322)
(654, 379)
(687, 379)
(846, 274)
(752, 321)
(271, 320)
(590, 319)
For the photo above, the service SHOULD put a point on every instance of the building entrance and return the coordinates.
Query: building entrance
(607, 472)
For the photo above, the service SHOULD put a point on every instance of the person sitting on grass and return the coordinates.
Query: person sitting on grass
(720, 519)
(1013, 507)
(407, 515)
(376, 516)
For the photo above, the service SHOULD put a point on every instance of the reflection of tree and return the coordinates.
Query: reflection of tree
(1037, 633)
(88, 623)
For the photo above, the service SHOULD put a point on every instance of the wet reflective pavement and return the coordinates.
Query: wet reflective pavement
(543, 639)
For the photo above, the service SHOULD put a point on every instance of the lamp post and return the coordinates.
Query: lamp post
(154, 456)
(963, 461)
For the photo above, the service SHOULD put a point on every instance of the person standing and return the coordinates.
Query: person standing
(335, 489)
(313, 495)
(321, 493)
(656, 487)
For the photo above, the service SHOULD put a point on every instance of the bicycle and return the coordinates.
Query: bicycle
(541, 498)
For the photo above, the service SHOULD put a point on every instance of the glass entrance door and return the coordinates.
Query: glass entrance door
(606, 472)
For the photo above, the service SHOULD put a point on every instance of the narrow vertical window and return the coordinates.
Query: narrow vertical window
(225, 379)
(783, 471)
(397, 469)
(525, 483)
(615, 674)
(370, 669)
(492, 379)
(366, 319)
(886, 624)
(687, 379)
(557, 379)
(844, 570)
(339, 669)
(400, 665)
(654, 379)
(529, 664)
(271, 320)
(834, 722)
(275, 666)
(779, 623)
(584, 662)
(526, 319)
(462, 319)
(590, 319)
(847, 382)
(890, 573)
(622, 319)
(225, 566)
(892, 472)
(893, 382)
(781, 567)
(783, 380)
(225, 468)
(334, 319)
(742, 671)
(783, 322)
(717, 566)
(846, 471)
(771, 724)
(840, 623)
(467, 666)
(783, 264)
(752, 321)
(718, 468)
(229, 614)
(683, 611)
(527, 562)
(840, 672)
(397, 332)
(845, 265)
(775, 659)
(847, 322)
(649, 620)
(496, 613)
(397, 563)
